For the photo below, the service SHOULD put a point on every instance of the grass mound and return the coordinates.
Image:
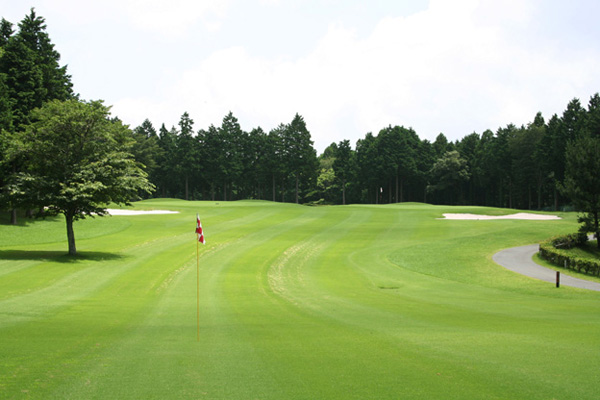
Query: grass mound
(296, 302)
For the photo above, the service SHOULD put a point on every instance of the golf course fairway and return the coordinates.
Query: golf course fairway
(296, 302)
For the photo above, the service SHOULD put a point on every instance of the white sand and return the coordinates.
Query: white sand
(526, 216)
(113, 211)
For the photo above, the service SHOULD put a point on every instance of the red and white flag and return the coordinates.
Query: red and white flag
(199, 230)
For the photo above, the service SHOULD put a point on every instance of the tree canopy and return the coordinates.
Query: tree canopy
(78, 162)
(582, 181)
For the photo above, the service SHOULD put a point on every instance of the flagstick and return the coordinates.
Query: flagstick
(197, 291)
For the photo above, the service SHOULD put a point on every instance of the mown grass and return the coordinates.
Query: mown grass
(296, 302)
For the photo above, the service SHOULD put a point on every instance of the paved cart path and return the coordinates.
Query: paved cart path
(519, 259)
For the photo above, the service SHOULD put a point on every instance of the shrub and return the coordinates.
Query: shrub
(570, 241)
(555, 251)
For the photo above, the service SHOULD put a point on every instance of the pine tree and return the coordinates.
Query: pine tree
(593, 116)
(30, 76)
(167, 158)
(582, 181)
(186, 151)
(342, 165)
(146, 149)
(301, 156)
(31, 64)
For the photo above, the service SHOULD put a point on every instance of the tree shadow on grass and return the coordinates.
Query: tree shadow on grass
(58, 256)
(24, 220)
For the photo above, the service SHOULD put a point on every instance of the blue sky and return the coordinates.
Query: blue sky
(348, 67)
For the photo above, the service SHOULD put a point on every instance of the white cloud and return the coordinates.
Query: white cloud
(456, 68)
(173, 18)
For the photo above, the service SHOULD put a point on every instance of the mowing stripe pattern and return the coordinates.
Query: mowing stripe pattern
(297, 302)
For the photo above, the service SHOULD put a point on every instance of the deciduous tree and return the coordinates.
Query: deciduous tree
(78, 162)
(448, 173)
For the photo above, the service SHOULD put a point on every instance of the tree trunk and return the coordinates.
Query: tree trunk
(343, 191)
(539, 193)
(297, 189)
(187, 197)
(596, 225)
(397, 198)
(510, 194)
(70, 234)
(273, 188)
(13, 212)
(401, 191)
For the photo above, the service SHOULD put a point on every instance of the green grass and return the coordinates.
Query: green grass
(589, 250)
(354, 302)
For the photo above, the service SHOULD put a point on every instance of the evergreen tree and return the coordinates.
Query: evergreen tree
(593, 116)
(30, 75)
(467, 148)
(504, 170)
(483, 168)
(232, 142)
(522, 148)
(167, 161)
(31, 64)
(6, 117)
(146, 149)
(369, 168)
(582, 181)
(342, 166)
(540, 161)
(441, 146)
(425, 158)
(276, 160)
(6, 31)
(301, 155)
(186, 152)
(255, 154)
(213, 158)
(406, 159)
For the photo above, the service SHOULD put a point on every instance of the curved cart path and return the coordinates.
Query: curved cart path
(518, 259)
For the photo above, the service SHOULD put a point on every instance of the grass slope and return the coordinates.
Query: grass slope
(297, 302)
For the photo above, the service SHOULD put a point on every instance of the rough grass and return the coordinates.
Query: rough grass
(588, 250)
(297, 302)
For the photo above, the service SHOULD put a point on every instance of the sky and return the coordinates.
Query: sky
(348, 67)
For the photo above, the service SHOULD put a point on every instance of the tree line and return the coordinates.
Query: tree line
(226, 162)
(515, 166)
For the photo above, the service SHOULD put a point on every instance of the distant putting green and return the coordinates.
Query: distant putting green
(296, 302)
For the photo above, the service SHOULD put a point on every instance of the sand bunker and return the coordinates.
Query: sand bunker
(139, 212)
(526, 216)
